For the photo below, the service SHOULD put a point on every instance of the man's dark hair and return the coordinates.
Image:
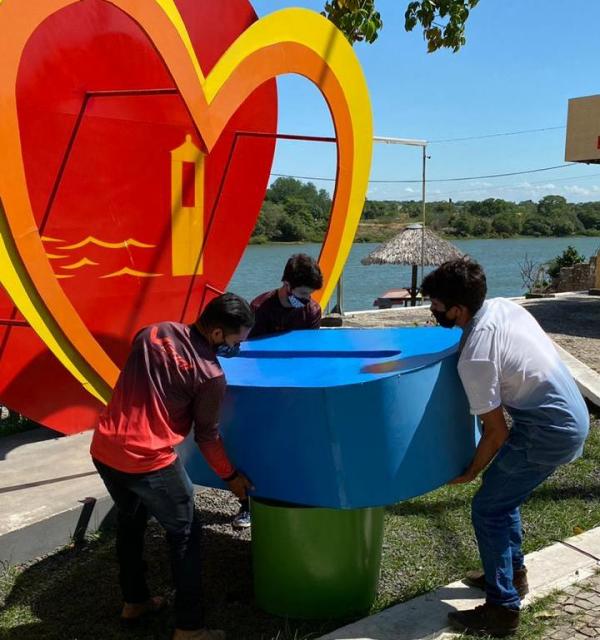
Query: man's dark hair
(302, 271)
(457, 282)
(228, 312)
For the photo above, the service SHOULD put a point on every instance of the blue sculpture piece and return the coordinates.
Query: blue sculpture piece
(308, 427)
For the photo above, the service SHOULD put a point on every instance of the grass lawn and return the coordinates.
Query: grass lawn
(73, 594)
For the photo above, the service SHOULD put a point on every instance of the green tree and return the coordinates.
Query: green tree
(290, 230)
(301, 211)
(294, 210)
(589, 215)
(562, 226)
(413, 208)
(561, 216)
(284, 188)
(490, 207)
(442, 21)
(375, 209)
(527, 207)
(439, 215)
(481, 227)
(506, 224)
(552, 206)
(323, 204)
(567, 258)
(267, 226)
(357, 19)
(462, 225)
(536, 226)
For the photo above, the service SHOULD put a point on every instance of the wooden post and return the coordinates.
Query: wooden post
(413, 286)
(595, 291)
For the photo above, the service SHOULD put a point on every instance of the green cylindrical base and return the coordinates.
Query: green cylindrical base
(315, 563)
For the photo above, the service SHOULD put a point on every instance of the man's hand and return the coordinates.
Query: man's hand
(468, 476)
(495, 433)
(240, 485)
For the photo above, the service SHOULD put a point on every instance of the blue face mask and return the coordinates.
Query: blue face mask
(296, 302)
(228, 351)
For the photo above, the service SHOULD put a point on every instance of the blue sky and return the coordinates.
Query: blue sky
(522, 62)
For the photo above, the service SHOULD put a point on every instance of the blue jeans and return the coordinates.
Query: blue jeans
(168, 495)
(507, 483)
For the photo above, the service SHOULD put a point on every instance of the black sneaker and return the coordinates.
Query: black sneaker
(242, 520)
(477, 579)
(487, 619)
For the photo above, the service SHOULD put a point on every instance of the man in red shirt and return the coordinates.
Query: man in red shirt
(171, 381)
(284, 309)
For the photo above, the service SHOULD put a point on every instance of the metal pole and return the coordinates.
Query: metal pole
(339, 291)
(423, 199)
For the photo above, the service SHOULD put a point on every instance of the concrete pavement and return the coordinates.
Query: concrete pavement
(44, 482)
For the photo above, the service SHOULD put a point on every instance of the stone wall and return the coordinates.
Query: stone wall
(579, 277)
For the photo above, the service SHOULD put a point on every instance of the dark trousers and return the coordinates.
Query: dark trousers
(166, 494)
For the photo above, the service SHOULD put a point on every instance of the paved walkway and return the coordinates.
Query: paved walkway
(571, 320)
(578, 611)
(44, 484)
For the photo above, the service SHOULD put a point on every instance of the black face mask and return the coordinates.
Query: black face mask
(227, 351)
(443, 320)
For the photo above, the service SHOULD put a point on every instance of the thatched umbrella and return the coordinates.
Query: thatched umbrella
(414, 245)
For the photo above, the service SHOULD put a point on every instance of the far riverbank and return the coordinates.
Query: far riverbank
(262, 266)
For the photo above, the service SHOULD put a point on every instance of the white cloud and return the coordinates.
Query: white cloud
(480, 190)
(577, 190)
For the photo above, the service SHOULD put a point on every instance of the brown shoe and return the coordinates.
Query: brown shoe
(199, 634)
(477, 579)
(487, 619)
(134, 612)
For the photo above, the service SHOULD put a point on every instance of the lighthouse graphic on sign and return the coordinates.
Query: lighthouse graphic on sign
(187, 208)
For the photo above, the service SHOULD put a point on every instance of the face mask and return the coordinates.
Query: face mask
(442, 319)
(227, 351)
(296, 302)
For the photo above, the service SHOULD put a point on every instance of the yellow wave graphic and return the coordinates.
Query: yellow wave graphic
(126, 271)
(49, 239)
(130, 242)
(65, 275)
(54, 256)
(84, 262)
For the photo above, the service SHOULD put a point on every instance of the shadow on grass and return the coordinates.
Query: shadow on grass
(427, 508)
(546, 492)
(74, 594)
(581, 492)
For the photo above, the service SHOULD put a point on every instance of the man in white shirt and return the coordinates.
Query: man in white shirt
(507, 362)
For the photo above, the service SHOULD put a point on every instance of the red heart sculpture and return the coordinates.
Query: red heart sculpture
(108, 144)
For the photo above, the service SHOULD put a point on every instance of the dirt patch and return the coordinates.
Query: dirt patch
(573, 322)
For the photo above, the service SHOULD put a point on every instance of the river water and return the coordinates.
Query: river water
(262, 266)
